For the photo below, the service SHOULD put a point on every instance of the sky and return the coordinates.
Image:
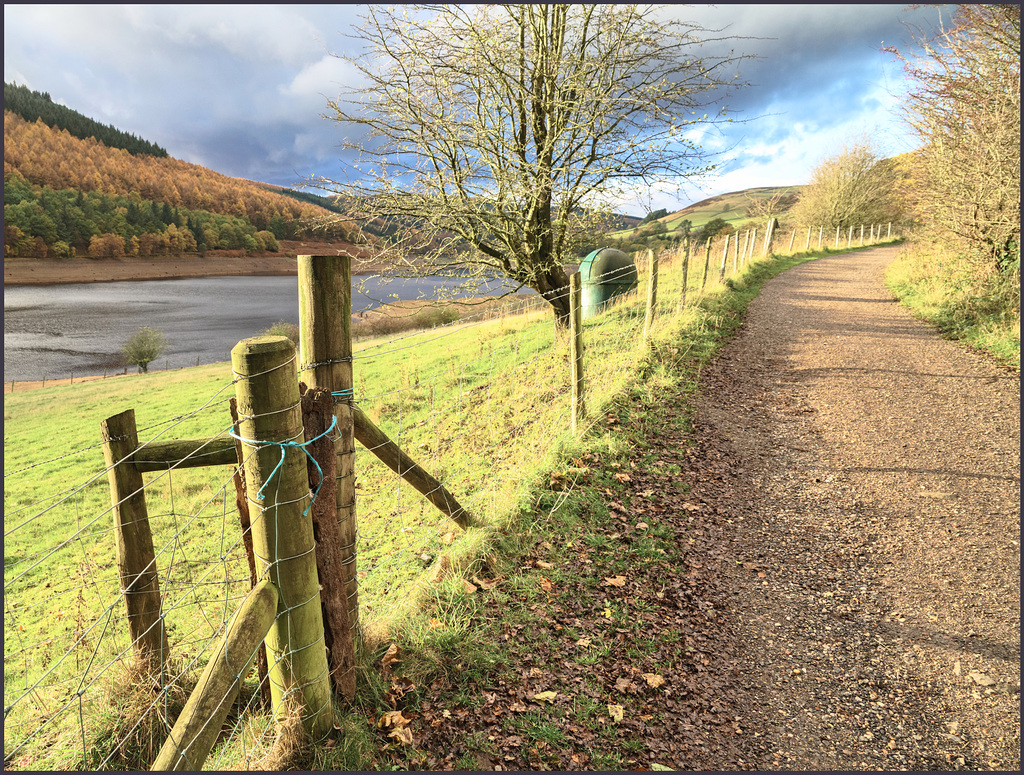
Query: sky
(243, 89)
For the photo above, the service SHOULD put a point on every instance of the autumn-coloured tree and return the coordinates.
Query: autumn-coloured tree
(964, 105)
(87, 165)
(851, 188)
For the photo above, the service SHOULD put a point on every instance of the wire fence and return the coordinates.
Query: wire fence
(482, 404)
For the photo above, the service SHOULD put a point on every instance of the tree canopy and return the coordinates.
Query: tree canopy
(505, 130)
(850, 188)
(964, 105)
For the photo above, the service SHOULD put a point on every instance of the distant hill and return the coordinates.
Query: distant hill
(67, 195)
(735, 208)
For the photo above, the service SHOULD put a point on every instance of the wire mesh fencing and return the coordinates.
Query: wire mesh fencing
(481, 404)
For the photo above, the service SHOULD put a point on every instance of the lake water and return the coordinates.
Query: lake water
(52, 330)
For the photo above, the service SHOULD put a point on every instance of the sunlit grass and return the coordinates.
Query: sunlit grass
(967, 301)
(483, 405)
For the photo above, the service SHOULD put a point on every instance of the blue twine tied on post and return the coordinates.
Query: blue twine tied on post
(285, 445)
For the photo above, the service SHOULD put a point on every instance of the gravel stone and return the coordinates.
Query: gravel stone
(878, 470)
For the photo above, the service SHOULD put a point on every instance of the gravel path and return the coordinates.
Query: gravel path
(876, 589)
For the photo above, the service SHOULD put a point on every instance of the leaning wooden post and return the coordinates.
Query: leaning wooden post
(862, 235)
(792, 239)
(743, 252)
(821, 233)
(136, 561)
(707, 263)
(325, 354)
(849, 238)
(888, 235)
(686, 273)
(199, 724)
(837, 237)
(389, 453)
(807, 242)
(576, 343)
(652, 295)
(270, 424)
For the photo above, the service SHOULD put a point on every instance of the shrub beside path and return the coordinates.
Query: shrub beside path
(874, 494)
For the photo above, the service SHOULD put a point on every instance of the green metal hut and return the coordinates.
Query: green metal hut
(605, 274)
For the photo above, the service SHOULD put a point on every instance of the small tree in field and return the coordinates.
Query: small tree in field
(144, 346)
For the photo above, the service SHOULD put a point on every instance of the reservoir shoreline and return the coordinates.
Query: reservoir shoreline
(54, 271)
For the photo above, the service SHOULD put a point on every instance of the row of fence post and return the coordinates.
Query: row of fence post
(272, 451)
(578, 399)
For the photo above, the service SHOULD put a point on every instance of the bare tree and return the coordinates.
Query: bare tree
(852, 187)
(964, 104)
(499, 131)
(772, 206)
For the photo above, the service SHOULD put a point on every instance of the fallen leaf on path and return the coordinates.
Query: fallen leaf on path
(468, 586)
(654, 680)
(485, 584)
(615, 711)
(545, 584)
(543, 565)
(623, 684)
(624, 477)
(615, 581)
(545, 696)
(390, 657)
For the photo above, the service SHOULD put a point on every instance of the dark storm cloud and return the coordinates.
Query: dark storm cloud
(241, 89)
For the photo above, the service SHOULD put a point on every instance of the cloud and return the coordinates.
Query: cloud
(241, 89)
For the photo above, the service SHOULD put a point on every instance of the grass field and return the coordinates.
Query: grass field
(731, 208)
(482, 405)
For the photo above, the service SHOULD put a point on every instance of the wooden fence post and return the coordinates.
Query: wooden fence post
(270, 424)
(862, 234)
(686, 273)
(199, 724)
(136, 561)
(725, 257)
(849, 238)
(889, 234)
(325, 353)
(792, 239)
(807, 242)
(735, 253)
(769, 232)
(652, 295)
(707, 262)
(837, 237)
(576, 343)
(317, 419)
(743, 252)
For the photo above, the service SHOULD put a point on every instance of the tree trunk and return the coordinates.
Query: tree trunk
(553, 285)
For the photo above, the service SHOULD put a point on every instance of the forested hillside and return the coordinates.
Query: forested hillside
(66, 195)
(32, 105)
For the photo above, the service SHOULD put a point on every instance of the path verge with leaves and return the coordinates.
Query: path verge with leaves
(810, 562)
